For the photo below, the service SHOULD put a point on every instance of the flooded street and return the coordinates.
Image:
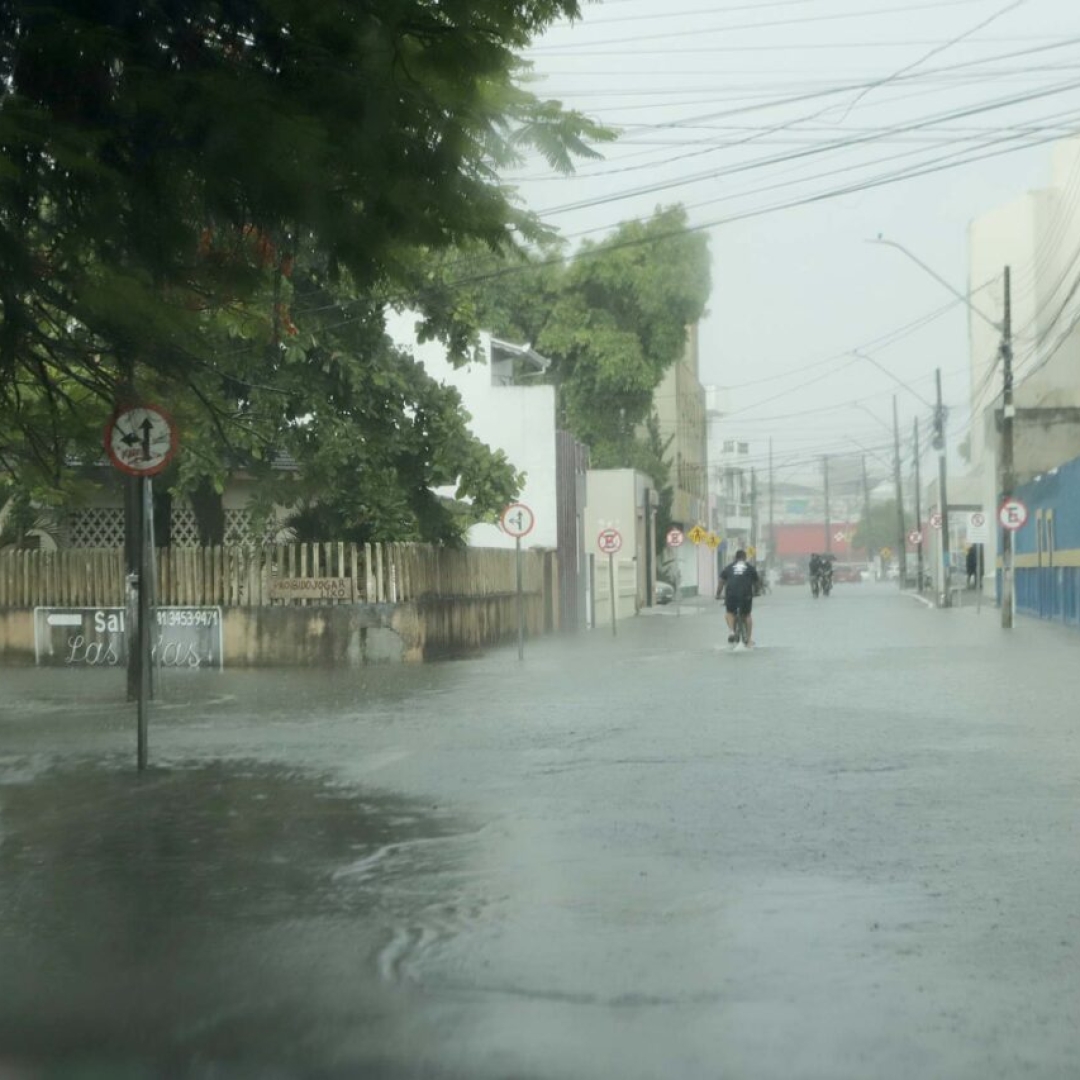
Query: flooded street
(848, 853)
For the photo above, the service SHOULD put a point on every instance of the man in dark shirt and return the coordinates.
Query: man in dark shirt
(738, 583)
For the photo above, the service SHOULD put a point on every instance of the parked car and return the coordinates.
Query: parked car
(665, 593)
(848, 573)
(790, 574)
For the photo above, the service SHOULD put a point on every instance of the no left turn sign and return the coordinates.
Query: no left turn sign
(675, 537)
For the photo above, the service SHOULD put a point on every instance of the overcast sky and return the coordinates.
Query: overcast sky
(746, 111)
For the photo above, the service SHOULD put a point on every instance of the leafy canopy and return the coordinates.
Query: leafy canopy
(612, 319)
(206, 203)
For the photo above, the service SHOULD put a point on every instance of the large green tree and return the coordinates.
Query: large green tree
(612, 317)
(208, 203)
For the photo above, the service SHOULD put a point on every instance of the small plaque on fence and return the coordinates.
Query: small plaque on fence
(312, 588)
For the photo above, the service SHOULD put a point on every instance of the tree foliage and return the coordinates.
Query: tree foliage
(208, 203)
(880, 531)
(612, 319)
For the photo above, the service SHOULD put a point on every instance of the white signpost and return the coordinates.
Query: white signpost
(609, 542)
(976, 527)
(518, 520)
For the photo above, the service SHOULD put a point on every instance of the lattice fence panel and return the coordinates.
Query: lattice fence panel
(101, 527)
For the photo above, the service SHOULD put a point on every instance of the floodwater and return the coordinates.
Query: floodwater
(848, 853)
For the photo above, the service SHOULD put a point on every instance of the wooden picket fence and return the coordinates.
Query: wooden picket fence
(254, 576)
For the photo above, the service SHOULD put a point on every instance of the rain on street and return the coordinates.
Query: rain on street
(847, 853)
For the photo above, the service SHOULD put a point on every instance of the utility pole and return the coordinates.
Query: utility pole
(918, 512)
(1008, 480)
(866, 513)
(828, 524)
(901, 550)
(772, 510)
(943, 491)
(753, 509)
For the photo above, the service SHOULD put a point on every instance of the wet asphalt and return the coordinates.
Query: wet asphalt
(849, 853)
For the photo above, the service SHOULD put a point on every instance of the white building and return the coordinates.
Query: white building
(508, 415)
(1038, 237)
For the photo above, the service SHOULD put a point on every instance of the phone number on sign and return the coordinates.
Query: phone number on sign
(188, 617)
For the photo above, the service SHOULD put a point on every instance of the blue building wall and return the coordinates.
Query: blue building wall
(1047, 548)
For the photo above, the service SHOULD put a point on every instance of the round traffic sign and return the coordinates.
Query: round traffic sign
(609, 541)
(936, 519)
(1013, 515)
(140, 439)
(914, 537)
(978, 520)
(674, 537)
(517, 519)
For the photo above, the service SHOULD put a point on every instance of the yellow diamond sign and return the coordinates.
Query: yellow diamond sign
(696, 534)
(712, 540)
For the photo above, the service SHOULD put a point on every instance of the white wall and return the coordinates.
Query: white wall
(519, 420)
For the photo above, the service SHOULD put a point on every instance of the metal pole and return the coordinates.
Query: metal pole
(142, 643)
(1008, 480)
(611, 588)
(901, 551)
(943, 492)
(828, 524)
(520, 602)
(869, 538)
(772, 513)
(918, 512)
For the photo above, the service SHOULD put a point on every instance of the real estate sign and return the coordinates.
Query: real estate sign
(184, 637)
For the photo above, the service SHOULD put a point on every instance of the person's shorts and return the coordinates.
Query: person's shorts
(738, 605)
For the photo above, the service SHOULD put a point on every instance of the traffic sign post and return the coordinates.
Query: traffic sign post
(141, 441)
(914, 537)
(518, 520)
(675, 538)
(1013, 515)
(609, 542)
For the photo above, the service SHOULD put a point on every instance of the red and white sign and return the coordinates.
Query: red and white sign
(140, 439)
(1013, 515)
(675, 537)
(976, 527)
(609, 541)
(914, 537)
(517, 520)
(936, 519)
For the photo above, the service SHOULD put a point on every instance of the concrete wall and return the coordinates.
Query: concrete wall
(349, 635)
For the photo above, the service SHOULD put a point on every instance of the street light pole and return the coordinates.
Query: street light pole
(943, 493)
(1008, 479)
(901, 551)
(918, 512)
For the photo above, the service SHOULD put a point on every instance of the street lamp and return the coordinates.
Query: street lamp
(1004, 327)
